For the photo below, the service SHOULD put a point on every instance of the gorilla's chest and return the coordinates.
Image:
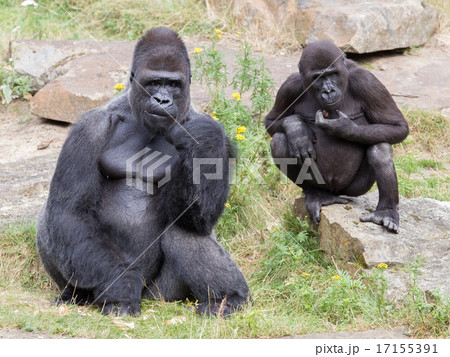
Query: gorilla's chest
(133, 170)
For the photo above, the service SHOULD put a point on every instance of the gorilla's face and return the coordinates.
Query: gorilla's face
(327, 87)
(159, 98)
(324, 72)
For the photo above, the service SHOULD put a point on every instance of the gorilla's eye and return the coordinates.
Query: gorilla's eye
(174, 84)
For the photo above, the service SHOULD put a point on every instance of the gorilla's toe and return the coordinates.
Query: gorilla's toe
(122, 309)
(386, 218)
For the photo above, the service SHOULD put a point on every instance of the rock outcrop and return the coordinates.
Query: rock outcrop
(353, 25)
(424, 232)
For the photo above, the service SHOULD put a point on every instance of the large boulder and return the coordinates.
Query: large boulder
(424, 232)
(71, 77)
(46, 60)
(353, 25)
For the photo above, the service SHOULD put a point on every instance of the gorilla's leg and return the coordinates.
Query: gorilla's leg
(381, 162)
(280, 152)
(72, 295)
(198, 265)
(362, 182)
(316, 198)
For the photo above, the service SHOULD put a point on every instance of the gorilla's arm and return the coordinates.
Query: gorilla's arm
(282, 118)
(386, 122)
(287, 95)
(89, 261)
(206, 197)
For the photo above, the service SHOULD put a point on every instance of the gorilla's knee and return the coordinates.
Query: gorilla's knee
(380, 155)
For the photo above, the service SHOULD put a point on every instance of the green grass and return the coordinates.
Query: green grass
(422, 160)
(104, 20)
(294, 291)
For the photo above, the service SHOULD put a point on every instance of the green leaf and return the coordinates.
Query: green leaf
(7, 92)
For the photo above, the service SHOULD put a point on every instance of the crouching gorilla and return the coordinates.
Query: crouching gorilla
(130, 214)
(340, 121)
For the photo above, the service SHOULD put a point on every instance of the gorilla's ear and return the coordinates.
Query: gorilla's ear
(131, 77)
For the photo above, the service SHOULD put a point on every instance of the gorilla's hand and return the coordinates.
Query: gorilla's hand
(342, 127)
(299, 138)
(195, 134)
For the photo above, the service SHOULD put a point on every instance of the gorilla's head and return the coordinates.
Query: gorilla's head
(322, 67)
(160, 80)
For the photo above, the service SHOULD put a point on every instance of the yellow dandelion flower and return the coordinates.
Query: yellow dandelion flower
(240, 137)
(306, 274)
(119, 87)
(214, 116)
(336, 277)
(227, 205)
(218, 31)
(219, 36)
(239, 32)
(197, 50)
(241, 129)
(382, 266)
(236, 96)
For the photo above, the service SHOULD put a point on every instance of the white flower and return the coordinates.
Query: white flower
(29, 3)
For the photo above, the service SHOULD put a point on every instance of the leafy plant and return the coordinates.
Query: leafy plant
(12, 84)
(425, 315)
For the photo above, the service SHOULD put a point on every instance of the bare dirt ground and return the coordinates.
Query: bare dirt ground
(29, 146)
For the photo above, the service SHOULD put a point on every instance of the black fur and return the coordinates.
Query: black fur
(343, 118)
(107, 242)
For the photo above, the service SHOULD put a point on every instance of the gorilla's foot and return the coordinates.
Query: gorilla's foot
(72, 295)
(122, 309)
(224, 308)
(315, 198)
(386, 217)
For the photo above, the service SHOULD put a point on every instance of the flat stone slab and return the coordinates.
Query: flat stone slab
(424, 232)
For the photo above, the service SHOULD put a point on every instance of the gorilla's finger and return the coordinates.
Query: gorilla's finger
(342, 115)
(319, 117)
(341, 200)
(304, 156)
(312, 153)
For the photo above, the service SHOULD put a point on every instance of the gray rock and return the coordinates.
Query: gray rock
(370, 26)
(355, 26)
(424, 232)
(71, 76)
(88, 83)
(46, 60)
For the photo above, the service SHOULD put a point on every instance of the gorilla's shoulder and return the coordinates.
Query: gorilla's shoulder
(355, 71)
(204, 120)
(96, 123)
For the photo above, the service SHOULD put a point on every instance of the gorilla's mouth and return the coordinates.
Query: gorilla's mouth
(158, 116)
(334, 102)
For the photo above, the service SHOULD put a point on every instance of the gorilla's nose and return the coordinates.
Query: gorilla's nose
(162, 100)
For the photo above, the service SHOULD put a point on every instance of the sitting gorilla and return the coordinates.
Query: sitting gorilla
(340, 121)
(105, 241)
